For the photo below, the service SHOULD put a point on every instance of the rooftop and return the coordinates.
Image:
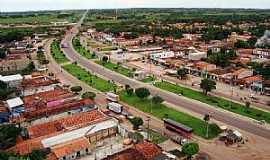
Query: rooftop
(142, 151)
(11, 78)
(70, 147)
(77, 120)
(37, 82)
(14, 102)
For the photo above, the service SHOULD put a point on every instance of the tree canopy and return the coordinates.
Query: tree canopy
(190, 149)
(142, 92)
(207, 85)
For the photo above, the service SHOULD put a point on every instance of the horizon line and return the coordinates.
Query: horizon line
(70, 9)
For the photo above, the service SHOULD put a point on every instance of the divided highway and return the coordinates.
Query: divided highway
(194, 106)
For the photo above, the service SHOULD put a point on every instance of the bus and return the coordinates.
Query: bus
(179, 128)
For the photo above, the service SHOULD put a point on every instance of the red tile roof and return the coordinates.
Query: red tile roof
(142, 151)
(71, 122)
(41, 110)
(148, 150)
(27, 146)
(37, 82)
(45, 97)
(70, 147)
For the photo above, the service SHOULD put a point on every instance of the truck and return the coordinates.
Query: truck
(112, 97)
(64, 45)
(115, 107)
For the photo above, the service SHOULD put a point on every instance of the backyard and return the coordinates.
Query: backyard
(162, 111)
(215, 101)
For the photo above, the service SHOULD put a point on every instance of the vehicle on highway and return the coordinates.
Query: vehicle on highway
(112, 97)
(115, 107)
(179, 140)
(179, 128)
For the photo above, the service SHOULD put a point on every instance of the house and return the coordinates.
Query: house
(244, 53)
(54, 102)
(193, 54)
(242, 73)
(252, 80)
(15, 106)
(161, 55)
(141, 151)
(72, 149)
(12, 80)
(266, 87)
(14, 63)
(262, 53)
(68, 138)
(32, 85)
(4, 113)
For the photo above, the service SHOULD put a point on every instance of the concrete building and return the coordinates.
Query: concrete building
(12, 80)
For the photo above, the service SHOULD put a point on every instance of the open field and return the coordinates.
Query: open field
(215, 101)
(46, 17)
(161, 111)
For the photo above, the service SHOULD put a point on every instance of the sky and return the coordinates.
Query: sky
(26, 5)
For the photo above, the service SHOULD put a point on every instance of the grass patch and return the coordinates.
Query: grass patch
(156, 137)
(215, 101)
(160, 110)
(148, 79)
(80, 49)
(92, 80)
(57, 54)
(116, 68)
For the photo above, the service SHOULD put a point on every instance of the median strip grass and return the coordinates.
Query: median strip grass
(56, 52)
(90, 79)
(116, 68)
(216, 101)
(80, 49)
(162, 111)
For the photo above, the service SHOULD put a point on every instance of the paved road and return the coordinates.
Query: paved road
(194, 106)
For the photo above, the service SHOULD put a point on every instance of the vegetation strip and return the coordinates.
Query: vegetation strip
(80, 49)
(116, 68)
(162, 111)
(215, 101)
(57, 54)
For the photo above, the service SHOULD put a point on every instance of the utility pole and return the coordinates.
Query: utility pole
(148, 127)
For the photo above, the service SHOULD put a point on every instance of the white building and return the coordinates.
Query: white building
(12, 80)
(14, 104)
(162, 55)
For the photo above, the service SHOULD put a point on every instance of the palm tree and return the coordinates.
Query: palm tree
(206, 118)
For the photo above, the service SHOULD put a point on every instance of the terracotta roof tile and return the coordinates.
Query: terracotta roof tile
(27, 146)
(148, 150)
(71, 122)
(70, 147)
(37, 82)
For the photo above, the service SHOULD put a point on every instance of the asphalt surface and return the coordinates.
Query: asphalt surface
(194, 106)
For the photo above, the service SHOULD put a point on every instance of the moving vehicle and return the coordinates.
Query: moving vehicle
(115, 107)
(112, 97)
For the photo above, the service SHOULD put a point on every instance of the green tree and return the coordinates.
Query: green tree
(241, 44)
(157, 99)
(136, 122)
(130, 91)
(182, 73)
(76, 89)
(8, 136)
(207, 85)
(206, 119)
(89, 95)
(37, 155)
(105, 59)
(190, 149)
(2, 53)
(142, 93)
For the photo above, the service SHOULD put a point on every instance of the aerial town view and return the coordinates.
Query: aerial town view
(134, 80)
